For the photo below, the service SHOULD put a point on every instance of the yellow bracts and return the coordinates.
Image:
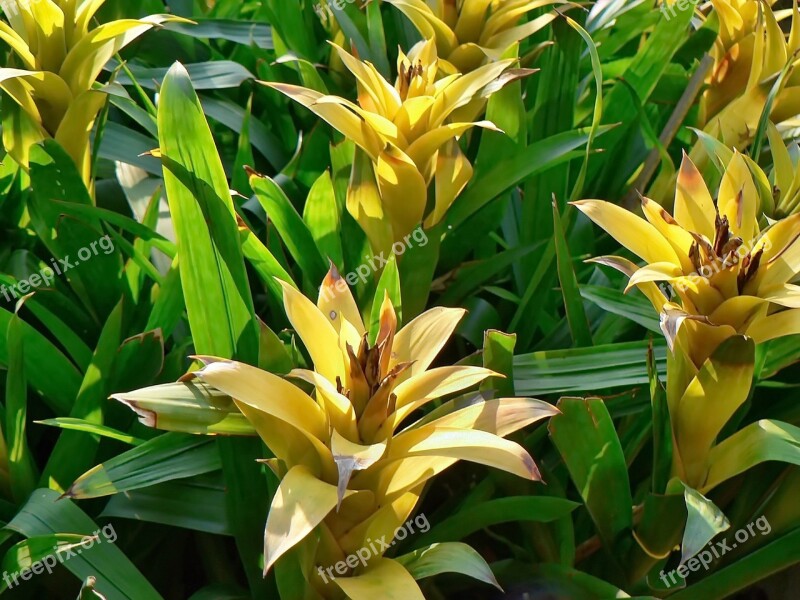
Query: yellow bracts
(351, 455)
(470, 33)
(750, 52)
(731, 283)
(58, 57)
(406, 138)
(726, 272)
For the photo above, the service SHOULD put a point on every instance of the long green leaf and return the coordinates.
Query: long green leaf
(213, 276)
(117, 578)
(164, 458)
(586, 369)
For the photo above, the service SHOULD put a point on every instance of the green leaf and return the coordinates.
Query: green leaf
(265, 264)
(75, 451)
(417, 267)
(125, 223)
(212, 75)
(573, 303)
(93, 428)
(47, 370)
(168, 307)
(321, 215)
(498, 355)
(213, 276)
(117, 578)
(585, 437)
(539, 509)
(244, 155)
(491, 182)
(388, 285)
(756, 566)
(631, 306)
(54, 176)
(293, 231)
(273, 355)
(196, 503)
(662, 428)
(597, 113)
(241, 32)
(164, 458)
(24, 554)
(759, 442)
(586, 369)
(232, 115)
(21, 467)
(703, 522)
(449, 557)
(246, 495)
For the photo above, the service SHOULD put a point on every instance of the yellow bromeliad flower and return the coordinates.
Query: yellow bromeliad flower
(732, 286)
(721, 265)
(750, 52)
(405, 140)
(57, 58)
(352, 453)
(470, 33)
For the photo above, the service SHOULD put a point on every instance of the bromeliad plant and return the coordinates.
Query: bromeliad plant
(731, 280)
(50, 89)
(351, 455)
(407, 137)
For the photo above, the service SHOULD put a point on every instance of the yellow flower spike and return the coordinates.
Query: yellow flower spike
(716, 252)
(352, 459)
(268, 393)
(702, 411)
(60, 59)
(738, 198)
(650, 289)
(300, 504)
(406, 135)
(748, 51)
(470, 33)
(731, 288)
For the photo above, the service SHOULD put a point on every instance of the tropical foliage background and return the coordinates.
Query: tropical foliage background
(282, 278)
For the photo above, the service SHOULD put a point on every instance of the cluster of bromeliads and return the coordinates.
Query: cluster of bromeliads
(348, 445)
